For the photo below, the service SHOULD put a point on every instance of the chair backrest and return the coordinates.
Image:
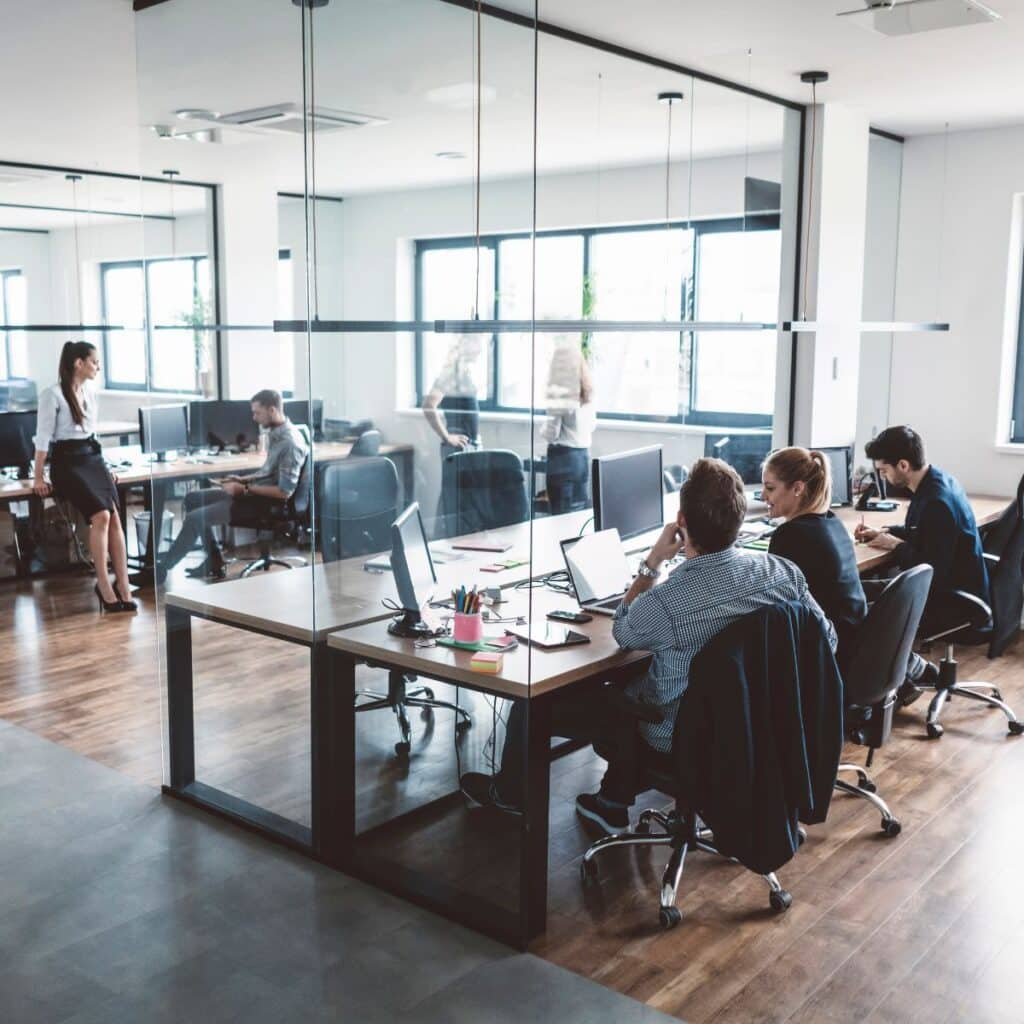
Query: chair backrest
(357, 501)
(489, 490)
(1006, 585)
(878, 663)
(673, 477)
(298, 504)
(367, 443)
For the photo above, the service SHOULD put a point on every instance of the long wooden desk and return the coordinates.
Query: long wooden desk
(335, 611)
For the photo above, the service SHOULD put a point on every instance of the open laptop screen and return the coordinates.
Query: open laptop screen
(597, 565)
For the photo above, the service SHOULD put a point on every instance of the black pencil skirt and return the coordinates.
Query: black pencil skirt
(79, 475)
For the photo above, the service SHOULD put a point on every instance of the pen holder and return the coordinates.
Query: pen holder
(468, 629)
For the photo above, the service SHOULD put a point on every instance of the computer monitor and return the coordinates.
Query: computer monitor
(744, 452)
(163, 429)
(413, 569)
(222, 424)
(841, 461)
(17, 444)
(628, 492)
(298, 411)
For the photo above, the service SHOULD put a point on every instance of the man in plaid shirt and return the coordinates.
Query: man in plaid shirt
(716, 584)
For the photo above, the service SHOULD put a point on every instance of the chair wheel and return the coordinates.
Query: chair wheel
(801, 835)
(891, 828)
(997, 694)
(588, 871)
(428, 693)
(1016, 728)
(462, 724)
(669, 917)
(780, 901)
(934, 730)
(402, 748)
(868, 786)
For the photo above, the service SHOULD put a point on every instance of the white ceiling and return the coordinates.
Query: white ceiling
(970, 77)
(411, 62)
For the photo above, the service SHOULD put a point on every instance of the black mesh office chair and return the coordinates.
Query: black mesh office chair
(489, 490)
(873, 672)
(663, 772)
(289, 518)
(357, 503)
(994, 626)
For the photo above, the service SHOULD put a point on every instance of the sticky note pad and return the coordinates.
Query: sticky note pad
(487, 661)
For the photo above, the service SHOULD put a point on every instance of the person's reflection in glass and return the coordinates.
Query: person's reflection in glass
(568, 427)
(452, 408)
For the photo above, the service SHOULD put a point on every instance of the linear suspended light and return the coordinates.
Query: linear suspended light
(65, 328)
(515, 326)
(215, 327)
(353, 326)
(866, 326)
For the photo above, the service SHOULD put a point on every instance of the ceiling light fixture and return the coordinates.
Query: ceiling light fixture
(450, 154)
(908, 17)
(196, 114)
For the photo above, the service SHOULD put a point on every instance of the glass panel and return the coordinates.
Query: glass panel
(639, 275)
(738, 280)
(174, 298)
(124, 302)
(16, 302)
(559, 296)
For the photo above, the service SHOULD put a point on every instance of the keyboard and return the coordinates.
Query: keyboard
(611, 604)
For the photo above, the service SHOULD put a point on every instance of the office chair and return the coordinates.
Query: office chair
(290, 517)
(872, 673)
(673, 478)
(489, 490)
(368, 443)
(672, 775)
(357, 503)
(994, 625)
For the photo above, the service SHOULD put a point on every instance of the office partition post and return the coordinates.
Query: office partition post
(536, 770)
(180, 722)
(333, 754)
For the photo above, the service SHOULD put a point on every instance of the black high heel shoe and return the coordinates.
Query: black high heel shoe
(127, 604)
(108, 606)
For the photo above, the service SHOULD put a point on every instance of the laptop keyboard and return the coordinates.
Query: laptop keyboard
(611, 604)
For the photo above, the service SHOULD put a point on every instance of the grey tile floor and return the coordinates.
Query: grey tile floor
(118, 905)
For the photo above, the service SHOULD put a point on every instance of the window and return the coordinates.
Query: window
(140, 295)
(1017, 413)
(709, 270)
(13, 344)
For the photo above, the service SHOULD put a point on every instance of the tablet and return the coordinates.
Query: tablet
(548, 635)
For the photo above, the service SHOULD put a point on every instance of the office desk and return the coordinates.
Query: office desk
(334, 611)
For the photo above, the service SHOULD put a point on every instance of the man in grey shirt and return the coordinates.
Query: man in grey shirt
(242, 500)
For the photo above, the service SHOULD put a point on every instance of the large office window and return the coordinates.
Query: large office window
(709, 270)
(140, 295)
(13, 344)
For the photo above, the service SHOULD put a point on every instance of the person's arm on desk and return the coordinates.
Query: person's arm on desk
(640, 624)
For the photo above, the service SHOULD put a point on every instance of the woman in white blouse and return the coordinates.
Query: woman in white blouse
(568, 428)
(65, 427)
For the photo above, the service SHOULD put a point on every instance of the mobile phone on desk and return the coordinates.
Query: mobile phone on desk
(564, 615)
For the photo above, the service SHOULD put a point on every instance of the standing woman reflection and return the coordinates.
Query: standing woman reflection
(452, 408)
(65, 427)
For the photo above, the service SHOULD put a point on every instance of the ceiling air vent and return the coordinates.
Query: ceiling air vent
(907, 17)
(287, 117)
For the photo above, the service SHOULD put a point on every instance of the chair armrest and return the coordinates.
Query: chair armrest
(622, 701)
(977, 615)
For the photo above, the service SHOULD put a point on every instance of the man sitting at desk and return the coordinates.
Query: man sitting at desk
(717, 584)
(939, 531)
(242, 500)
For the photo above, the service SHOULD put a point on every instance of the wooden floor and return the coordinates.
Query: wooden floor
(928, 926)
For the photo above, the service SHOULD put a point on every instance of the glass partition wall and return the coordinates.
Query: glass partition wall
(419, 210)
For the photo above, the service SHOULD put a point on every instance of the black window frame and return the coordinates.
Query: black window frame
(490, 403)
(147, 327)
(4, 276)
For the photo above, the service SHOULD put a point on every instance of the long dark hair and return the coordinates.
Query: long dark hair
(69, 355)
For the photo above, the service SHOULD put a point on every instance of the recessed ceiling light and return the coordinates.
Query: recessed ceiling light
(196, 114)
(450, 154)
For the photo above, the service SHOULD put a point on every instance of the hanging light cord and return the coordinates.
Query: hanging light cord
(477, 102)
(942, 220)
(810, 195)
(78, 258)
(668, 196)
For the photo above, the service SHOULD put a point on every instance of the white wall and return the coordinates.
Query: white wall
(956, 264)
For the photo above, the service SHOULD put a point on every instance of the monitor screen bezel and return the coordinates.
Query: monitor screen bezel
(597, 495)
(407, 596)
(146, 422)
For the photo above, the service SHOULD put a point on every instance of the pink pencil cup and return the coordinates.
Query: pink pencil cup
(468, 629)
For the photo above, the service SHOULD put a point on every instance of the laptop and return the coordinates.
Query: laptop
(598, 570)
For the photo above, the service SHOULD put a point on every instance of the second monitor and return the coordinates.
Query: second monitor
(222, 424)
(163, 429)
(628, 492)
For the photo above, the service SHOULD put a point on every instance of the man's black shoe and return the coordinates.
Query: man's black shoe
(480, 790)
(613, 819)
(910, 691)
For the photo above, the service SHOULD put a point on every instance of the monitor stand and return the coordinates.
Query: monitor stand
(410, 625)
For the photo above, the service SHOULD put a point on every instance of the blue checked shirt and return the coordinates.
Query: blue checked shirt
(675, 619)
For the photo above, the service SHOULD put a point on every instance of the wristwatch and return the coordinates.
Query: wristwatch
(643, 569)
